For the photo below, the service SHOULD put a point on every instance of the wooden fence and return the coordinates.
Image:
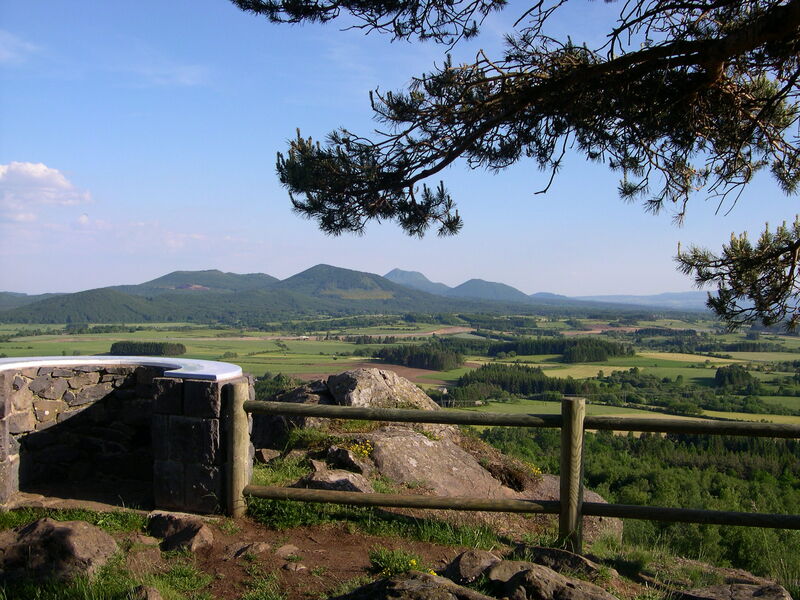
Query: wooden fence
(572, 421)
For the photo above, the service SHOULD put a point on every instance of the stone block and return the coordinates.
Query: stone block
(125, 394)
(91, 393)
(58, 453)
(13, 444)
(119, 370)
(9, 478)
(70, 414)
(168, 396)
(195, 440)
(19, 382)
(48, 387)
(159, 434)
(115, 380)
(136, 411)
(145, 390)
(21, 422)
(22, 399)
(47, 410)
(38, 441)
(5, 394)
(145, 375)
(46, 425)
(201, 399)
(168, 485)
(203, 488)
(5, 438)
(82, 379)
(62, 372)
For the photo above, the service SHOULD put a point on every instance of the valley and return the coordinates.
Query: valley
(491, 356)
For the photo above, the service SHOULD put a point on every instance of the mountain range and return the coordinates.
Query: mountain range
(252, 299)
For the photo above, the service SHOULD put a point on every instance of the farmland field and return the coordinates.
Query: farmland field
(541, 407)
(313, 356)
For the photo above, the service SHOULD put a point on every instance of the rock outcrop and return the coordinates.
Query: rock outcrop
(738, 591)
(374, 388)
(431, 458)
(54, 549)
(413, 586)
(529, 581)
(180, 531)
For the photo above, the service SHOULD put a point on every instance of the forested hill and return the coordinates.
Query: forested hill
(256, 298)
(193, 281)
(13, 299)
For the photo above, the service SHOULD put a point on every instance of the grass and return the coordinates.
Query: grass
(792, 402)
(112, 522)
(345, 587)
(388, 563)
(262, 586)
(554, 408)
(281, 471)
(739, 416)
(181, 581)
(285, 514)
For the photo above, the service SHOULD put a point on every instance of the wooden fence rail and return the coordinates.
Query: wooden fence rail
(573, 423)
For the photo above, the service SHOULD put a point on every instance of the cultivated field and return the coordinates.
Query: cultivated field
(315, 356)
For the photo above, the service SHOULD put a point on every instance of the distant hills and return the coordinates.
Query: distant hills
(206, 281)
(676, 300)
(255, 298)
(489, 290)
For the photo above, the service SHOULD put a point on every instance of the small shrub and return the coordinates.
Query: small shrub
(388, 563)
(130, 348)
(361, 449)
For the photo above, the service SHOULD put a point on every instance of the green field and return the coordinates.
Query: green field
(790, 419)
(792, 402)
(541, 407)
(258, 352)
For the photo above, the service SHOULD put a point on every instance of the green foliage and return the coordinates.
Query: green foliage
(113, 522)
(756, 282)
(522, 379)
(712, 472)
(268, 386)
(280, 471)
(147, 349)
(733, 376)
(285, 514)
(425, 356)
(262, 586)
(388, 563)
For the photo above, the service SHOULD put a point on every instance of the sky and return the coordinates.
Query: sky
(140, 138)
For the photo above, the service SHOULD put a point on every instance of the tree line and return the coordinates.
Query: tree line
(713, 472)
(131, 348)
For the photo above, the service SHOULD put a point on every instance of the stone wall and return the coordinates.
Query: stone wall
(189, 434)
(129, 423)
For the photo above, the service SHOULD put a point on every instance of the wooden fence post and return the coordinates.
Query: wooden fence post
(570, 524)
(238, 445)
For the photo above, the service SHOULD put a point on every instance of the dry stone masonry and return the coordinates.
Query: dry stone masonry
(89, 422)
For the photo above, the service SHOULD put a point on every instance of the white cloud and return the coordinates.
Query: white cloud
(26, 187)
(175, 240)
(13, 49)
(23, 217)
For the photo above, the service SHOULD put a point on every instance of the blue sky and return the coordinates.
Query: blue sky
(140, 138)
